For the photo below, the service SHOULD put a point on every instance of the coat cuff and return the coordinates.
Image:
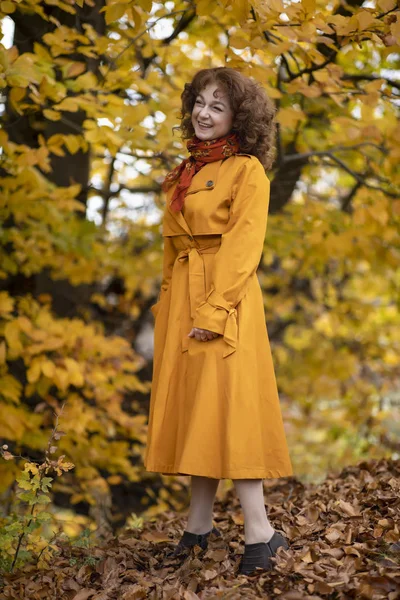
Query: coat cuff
(216, 314)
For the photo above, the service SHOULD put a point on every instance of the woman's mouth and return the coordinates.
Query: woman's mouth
(202, 126)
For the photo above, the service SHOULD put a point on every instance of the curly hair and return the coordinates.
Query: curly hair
(253, 110)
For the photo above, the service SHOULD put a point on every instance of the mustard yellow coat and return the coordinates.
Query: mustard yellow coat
(214, 405)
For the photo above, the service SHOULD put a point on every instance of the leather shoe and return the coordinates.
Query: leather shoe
(188, 540)
(259, 554)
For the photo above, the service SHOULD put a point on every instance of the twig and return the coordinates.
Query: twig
(113, 61)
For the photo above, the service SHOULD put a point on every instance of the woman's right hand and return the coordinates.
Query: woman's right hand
(203, 335)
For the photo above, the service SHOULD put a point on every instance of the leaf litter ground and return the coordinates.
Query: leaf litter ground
(344, 544)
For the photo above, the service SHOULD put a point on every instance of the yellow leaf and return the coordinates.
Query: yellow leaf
(391, 357)
(16, 94)
(379, 213)
(25, 325)
(12, 54)
(10, 388)
(31, 468)
(73, 143)
(48, 368)
(52, 115)
(42, 52)
(114, 12)
(8, 7)
(309, 5)
(3, 139)
(275, 5)
(395, 30)
(23, 71)
(28, 159)
(322, 76)
(33, 373)
(93, 136)
(3, 353)
(11, 333)
(272, 91)
(396, 207)
(74, 69)
(74, 371)
(365, 19)
(239, 42)
(145, 4)
(6, 304)
(54, 144)
(68, 104)
(374, 86)
(289, 117)
(138, 18)
(84, 82)
(61, 378)
(387, 5)
(240, 11)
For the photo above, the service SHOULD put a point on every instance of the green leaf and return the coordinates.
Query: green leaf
(29, 497)
(46, 484)
(43, 499)
(44, 516)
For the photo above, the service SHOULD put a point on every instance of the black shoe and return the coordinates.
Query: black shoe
(259, 554)
(188, 540)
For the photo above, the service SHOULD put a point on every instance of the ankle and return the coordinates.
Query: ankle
(258, 534)
(199, 528)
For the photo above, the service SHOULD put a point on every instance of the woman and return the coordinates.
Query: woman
(214, 406)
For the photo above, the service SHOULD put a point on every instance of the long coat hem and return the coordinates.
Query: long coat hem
(242, 473)
(214, 407)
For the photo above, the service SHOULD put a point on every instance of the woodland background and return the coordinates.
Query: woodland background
(90, 96)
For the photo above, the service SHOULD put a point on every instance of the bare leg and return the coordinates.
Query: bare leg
(257, 527)
(203, 490)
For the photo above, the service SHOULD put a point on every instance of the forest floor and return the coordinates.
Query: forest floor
(344, 537)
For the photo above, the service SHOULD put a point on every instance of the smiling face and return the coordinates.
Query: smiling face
(212, 116)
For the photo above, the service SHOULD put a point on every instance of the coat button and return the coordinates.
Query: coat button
(209, 183)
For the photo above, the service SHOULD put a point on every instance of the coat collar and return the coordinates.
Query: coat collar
(174, 221)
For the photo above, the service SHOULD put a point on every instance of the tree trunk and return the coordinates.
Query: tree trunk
(66, 170)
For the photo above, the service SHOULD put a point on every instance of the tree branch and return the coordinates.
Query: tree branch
(367, 77)
(360, 177)
(113, 62)
(346, 202)
(107, 191)
(140, 189)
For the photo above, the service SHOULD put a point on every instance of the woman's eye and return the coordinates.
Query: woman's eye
(215, 107)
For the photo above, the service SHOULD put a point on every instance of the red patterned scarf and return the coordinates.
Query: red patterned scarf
(201, 153)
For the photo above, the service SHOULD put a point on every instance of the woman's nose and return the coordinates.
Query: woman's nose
(204, 113)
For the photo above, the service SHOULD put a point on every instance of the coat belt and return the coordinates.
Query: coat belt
(197, 293)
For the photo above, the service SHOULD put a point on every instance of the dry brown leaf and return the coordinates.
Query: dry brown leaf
(332, 550)
(348, 509)
(84, 594)
(189, 595)
(156, 537)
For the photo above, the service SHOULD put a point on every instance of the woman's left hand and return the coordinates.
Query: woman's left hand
(203, 335)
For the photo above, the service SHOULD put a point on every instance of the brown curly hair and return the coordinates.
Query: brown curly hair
(253, 111)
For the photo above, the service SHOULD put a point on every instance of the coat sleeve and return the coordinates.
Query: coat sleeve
(239, 254)
(169, 256)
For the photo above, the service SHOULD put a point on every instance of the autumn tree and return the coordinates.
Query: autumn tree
(91, 94)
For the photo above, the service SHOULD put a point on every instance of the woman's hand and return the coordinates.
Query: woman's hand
(203, 335)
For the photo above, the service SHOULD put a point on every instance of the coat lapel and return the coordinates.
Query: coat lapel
(205, 179)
